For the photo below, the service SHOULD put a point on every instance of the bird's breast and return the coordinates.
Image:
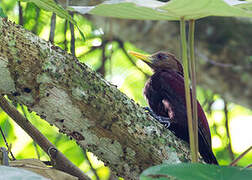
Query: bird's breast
(162, 98)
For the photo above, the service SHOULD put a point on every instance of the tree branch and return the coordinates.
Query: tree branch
(83, 105)
(60, 162)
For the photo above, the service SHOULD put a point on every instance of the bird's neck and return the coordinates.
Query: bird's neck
(168, 70)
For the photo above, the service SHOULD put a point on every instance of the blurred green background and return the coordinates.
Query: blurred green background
(230, 123)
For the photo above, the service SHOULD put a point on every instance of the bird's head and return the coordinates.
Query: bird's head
(160, 61)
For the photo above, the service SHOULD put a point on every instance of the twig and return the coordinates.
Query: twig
(72, 48)
(249, 166)
(101, 69)
(60, 162)
(205, 58)
(52, 28)
(6, 143)
(234, 162)
(65, 31)
(231, 154)
(53, 25)
(20, 14)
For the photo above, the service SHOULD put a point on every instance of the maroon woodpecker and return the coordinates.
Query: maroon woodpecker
(165, 94)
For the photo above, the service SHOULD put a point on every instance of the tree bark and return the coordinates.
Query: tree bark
(82, 105)
(223, 50)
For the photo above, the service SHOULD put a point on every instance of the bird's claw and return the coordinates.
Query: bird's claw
(147, 109)
(163, 120)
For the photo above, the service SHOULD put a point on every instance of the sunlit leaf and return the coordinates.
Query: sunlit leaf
(172, 10)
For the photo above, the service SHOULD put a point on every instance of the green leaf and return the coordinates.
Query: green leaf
(172, 10)
(51, 6)
(196, 171)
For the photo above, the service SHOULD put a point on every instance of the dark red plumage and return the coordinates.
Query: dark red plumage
(165, 94)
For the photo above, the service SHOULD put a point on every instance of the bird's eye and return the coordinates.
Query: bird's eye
(161, 56)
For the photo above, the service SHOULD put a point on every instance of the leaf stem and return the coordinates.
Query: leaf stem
(234, 162)
(187, 89)
(193, 81)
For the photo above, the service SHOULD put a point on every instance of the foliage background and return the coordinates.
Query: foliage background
(108, 56)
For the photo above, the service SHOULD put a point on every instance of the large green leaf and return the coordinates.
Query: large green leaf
(172, 10)
(131, 10)
(196, 171)
(195, 9)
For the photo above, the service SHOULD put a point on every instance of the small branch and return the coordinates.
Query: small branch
(20, 14)
(210, 61)
(60, 162)
(234, 162)
(7, 145)
(53, 25)
(72, 48)
(249, 166)
(52, 28)
(65, 30)
(231, 154)
(101, 69)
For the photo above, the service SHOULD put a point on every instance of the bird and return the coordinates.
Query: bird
(165, 94)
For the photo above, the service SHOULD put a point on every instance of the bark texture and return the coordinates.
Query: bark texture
(223, 50)
(82, 105)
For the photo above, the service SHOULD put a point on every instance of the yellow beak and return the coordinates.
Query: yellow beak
(145, 58)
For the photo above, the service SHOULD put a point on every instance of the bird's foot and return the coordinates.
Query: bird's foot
(163, 120)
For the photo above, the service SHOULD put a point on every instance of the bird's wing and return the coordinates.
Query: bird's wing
(166, 97)
(172, 88)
